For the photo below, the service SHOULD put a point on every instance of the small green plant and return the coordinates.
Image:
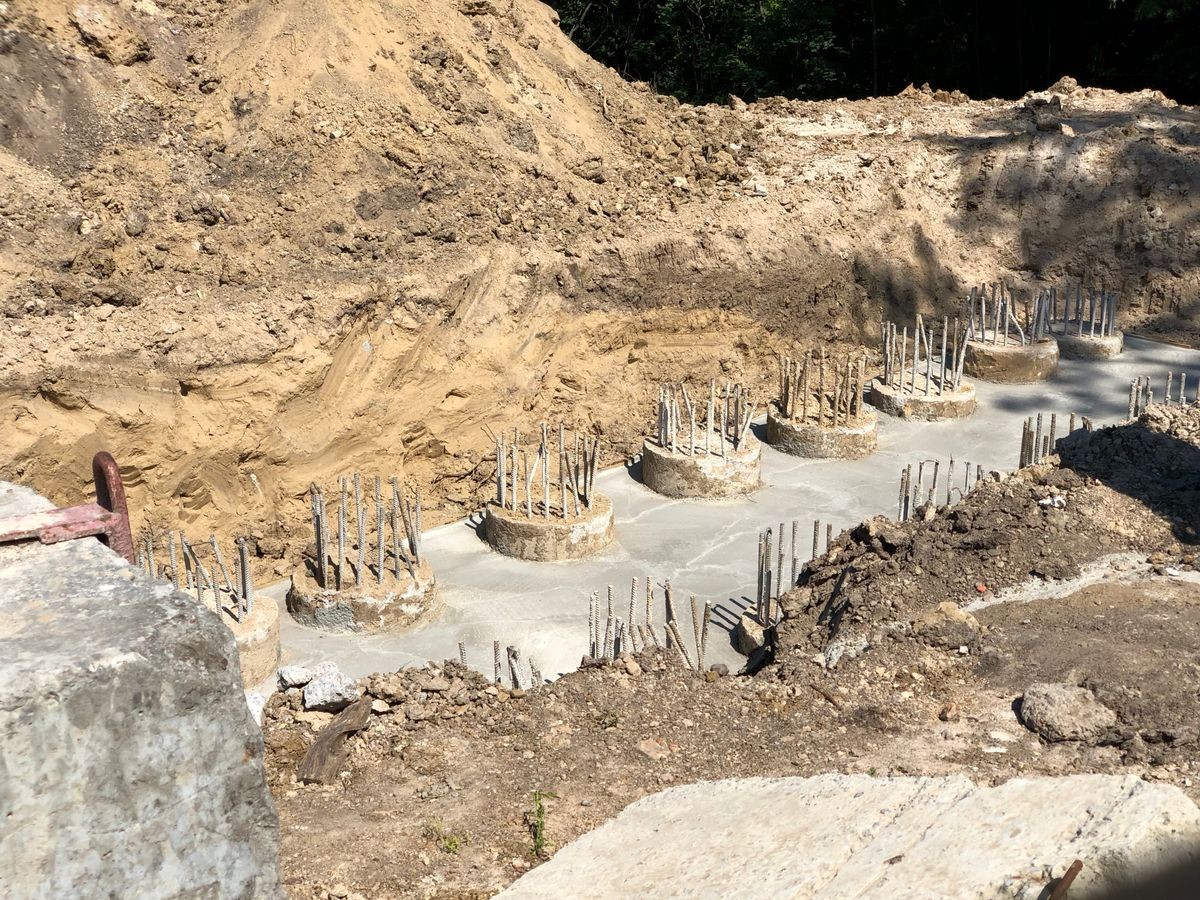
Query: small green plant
(610, 718)
(536, 821)
(871, 771)
(447, 841)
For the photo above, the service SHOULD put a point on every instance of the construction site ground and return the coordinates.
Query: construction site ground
(443, 807)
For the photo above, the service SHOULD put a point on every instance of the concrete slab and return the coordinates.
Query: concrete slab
(854, 836)
(710, 547)
(129, 765)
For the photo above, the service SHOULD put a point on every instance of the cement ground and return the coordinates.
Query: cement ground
(709, 547)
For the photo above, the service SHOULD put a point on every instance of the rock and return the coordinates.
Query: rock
(748, 637)
(379, 707)
(719, 669)
(948, 627)
(434, 684)
(330, 692)
(135, 223)
(632, 667)
(654, 748)
(878, 838)
(417, 712)
(1064, 712)
(110, 33)
(131, 764)
(299, 676)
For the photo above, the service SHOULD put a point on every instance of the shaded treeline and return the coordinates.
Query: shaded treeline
(700, 50)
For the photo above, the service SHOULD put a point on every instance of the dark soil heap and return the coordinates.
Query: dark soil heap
(1130, 487)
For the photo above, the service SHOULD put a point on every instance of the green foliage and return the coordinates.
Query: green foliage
(447, 841)
(701, 50)
(535, 820)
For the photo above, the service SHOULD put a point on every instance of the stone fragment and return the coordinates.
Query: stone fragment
(330, 692)
(1064, 712)
(947, 626)
(748, 637)
(654, 748)
(299, 676)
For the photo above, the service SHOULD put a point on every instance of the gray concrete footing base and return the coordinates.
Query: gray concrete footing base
(1012, 363)
(853, 440)
(704, 474)
(257, 638)
(956, 404)
(395, 605)
(551, 539)
(1085, 346)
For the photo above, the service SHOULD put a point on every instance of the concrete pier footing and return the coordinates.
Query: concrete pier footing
(395, 605)
(1012, 363)
(956, 404)
(552, 539)
(1086, 346)
(853, 440)
(257, 637)
(704, 474)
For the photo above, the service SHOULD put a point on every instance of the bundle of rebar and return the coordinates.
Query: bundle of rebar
(348, 548)
(515, 671)
(610, 635)
(919, 493)
(1141, 394)
(938, 371)
(1039, 436)
(822, 389)
(519, 471)
(1093, 316)
(996, 317)
(773, 561)
(185, 568)
(725, 423)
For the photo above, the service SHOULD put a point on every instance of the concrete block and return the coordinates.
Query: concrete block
(129, 762)
(854, 836)
(808, 439)
(708, 475)
(550, 539)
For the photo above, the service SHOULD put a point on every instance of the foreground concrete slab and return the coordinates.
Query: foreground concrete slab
(844, 836)
(129, 764)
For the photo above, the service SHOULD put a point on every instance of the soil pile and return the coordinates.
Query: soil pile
(250, 246)
(1127, 488)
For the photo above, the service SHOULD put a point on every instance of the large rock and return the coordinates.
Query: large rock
(129, 763)
(330, 691)
(1064, 712)
(842, 836)
(748, 635)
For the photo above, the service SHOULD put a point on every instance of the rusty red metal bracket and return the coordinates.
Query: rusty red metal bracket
(106, 519)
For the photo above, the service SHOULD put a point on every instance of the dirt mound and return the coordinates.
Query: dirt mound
(439, 795)
(250, 246)
(1124, 488)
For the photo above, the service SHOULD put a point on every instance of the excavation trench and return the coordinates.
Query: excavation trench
(709, 547)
